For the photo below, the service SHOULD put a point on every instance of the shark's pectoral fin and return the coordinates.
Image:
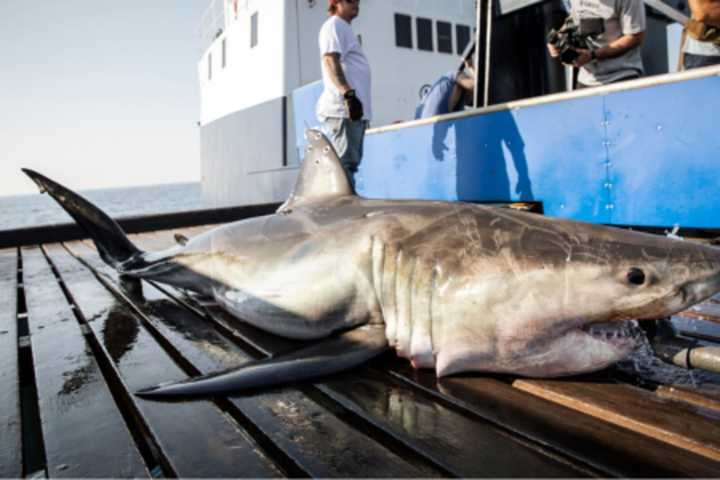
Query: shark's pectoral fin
(335, 354)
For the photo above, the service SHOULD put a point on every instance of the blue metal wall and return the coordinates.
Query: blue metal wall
(646, 156)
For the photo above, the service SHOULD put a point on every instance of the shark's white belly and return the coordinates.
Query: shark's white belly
(306, 299)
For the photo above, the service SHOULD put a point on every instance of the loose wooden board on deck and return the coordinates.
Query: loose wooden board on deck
(611, 449)
(639, 410)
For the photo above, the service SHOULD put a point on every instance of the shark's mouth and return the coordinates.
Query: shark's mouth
(624, 334)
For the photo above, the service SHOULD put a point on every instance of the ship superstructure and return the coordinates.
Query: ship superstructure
(256, 52)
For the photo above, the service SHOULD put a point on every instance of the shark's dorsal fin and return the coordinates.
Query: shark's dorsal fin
(321, 177)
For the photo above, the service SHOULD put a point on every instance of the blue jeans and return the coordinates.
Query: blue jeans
(696, 61)
(347, 137)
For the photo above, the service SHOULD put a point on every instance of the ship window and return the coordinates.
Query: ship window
(209, 66)
(424, 34)
(224, 52)
(463, 38)
(254, 30)
(444, 36)
(403, 31)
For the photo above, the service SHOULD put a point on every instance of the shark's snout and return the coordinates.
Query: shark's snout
(698, 290)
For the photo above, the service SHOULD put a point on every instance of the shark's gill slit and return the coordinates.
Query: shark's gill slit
(420, 340)
(431, 311)
(405, 283)
(431, 296)
(399, 298)
(378, 257)
(389, 278)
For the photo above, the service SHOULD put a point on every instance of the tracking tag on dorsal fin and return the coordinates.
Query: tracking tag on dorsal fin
(321, 177)
(181, 239)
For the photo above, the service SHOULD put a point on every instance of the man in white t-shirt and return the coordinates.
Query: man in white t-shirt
(613, 55)
(345, 105)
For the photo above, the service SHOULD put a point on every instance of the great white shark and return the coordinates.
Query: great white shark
(453, 287)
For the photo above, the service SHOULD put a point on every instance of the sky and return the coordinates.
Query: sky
(99, 93)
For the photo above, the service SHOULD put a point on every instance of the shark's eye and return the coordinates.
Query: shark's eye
(636, 276)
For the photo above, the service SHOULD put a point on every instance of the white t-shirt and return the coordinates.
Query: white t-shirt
(336, 36)
(696, 47)
(621, 17)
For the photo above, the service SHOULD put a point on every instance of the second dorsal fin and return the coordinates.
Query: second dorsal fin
(321, 177)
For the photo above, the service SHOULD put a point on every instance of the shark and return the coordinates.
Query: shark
(450, 286)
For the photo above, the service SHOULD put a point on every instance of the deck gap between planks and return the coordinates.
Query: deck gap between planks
(286, 464)
(33, 445)
(144, 441)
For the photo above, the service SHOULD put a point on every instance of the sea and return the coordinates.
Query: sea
(23, 211)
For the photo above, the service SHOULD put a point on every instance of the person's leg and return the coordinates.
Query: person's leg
(697, 61)
(347, 138)
(336, 129)
(355, 136)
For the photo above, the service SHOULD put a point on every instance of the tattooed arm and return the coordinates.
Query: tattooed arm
(331, 61)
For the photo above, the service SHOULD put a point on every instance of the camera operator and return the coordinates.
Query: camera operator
(605, 39)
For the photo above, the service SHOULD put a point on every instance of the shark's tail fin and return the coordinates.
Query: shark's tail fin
(112, 243)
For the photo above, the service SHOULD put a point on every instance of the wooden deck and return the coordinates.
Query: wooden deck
(76, 342)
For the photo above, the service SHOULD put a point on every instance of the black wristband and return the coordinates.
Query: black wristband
(349, 94)
(593, 55)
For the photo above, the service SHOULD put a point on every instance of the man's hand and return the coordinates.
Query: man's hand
(554, 52)
(584, 56)
(353, 105)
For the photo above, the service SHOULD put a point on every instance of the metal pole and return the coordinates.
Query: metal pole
(488, 35)
(476, 55)
(668, 11)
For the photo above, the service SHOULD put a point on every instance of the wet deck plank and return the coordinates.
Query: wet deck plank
(442, 433)
(709, 400)
(10, 441)
(604, 446)
(639, 410)
(389, 406)
(196, 438)
(79, 418)
(697, 327)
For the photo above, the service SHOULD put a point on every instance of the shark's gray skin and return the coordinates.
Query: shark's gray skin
(450, 286)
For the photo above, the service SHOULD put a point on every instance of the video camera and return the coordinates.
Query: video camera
(572, 36)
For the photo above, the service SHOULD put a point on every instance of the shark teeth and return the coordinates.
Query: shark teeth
(611, 331)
